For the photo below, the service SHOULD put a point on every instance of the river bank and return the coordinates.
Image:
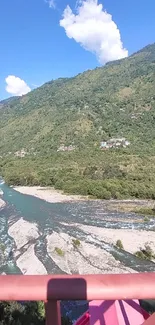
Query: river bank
(51, 195)
(133, 240)
(48, 194)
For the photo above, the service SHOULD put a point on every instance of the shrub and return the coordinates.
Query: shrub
(76, 242)
(119, 244)
(146, 219)
(145, 253)
(117, 195)
(2, 247)
(98, 190)
(59, 251)
(140, 255)
(148, 252)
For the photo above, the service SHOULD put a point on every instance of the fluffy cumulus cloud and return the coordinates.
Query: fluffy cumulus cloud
(16, 86)
(94, 29)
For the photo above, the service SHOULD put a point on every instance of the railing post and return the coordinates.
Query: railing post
(52, 312)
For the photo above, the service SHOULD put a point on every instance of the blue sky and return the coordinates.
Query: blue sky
(35, 48)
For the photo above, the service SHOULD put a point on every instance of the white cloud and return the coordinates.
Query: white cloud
(16, 86)
(95, 30)
(51, 3)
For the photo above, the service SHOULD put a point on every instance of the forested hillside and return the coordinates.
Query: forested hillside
(115, 101)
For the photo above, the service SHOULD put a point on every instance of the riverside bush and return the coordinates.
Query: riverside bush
(119, 244)
(59, 251)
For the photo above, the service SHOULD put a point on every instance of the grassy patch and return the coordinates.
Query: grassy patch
(145, 211)
(59, 251)
(146, 219)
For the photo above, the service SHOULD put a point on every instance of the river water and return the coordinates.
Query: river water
(58, 217)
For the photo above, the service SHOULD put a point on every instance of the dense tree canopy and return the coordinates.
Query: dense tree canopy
(16, 313)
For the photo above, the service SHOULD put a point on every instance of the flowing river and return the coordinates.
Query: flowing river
(62, 217)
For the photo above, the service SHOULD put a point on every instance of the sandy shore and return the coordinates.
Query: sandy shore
(48, 194)
(2, 203)
(132, 239)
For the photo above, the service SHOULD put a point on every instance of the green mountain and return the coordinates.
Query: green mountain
(115, 101)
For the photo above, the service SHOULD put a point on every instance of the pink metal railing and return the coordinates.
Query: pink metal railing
(53, 288)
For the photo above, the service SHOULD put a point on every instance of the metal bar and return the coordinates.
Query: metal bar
(52, 312)
(84, 319)
(150, 320)
(78, 287)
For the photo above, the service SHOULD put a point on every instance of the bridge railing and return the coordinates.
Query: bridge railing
(53, 288)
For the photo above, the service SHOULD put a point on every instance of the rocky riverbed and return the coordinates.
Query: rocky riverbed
(2, 203)
(71, 236)
(74, 256)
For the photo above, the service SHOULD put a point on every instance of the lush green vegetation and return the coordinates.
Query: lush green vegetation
(145, 211)
(14, 313)
(145, 253)
(116, 100)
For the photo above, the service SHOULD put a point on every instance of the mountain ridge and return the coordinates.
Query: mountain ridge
(113, 101)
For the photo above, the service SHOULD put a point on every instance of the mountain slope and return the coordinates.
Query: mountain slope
(116, 100)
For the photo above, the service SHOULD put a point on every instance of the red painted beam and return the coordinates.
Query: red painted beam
(53, 313)
(150, 320)
(84, 319)
(78, 287)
